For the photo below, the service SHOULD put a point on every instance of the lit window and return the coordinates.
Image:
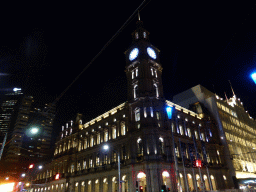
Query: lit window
(151, 112)
(123, 131)
(144, 34)
(157, 115)
(137, 35)
(98, 138)
(139, 146)
(157, 91)
(152, 72)
(137, 114)
(106, 136)
(136, 72)
(113, 132)
(92, 142)
(132, 74)
(135, 89)
(189, 132)
(181, 129)
(145, 112)
(196, 134)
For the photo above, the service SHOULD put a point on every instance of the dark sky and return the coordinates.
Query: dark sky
(43, 47)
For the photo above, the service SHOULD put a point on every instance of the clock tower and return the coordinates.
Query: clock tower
(144, 77)
(143, 68)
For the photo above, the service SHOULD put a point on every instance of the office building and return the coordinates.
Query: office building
(236, 128)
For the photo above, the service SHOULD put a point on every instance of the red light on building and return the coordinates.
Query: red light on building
(31, 166)
(198, 163)
(57, 176)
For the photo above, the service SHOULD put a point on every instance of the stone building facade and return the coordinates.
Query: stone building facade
(157, 141)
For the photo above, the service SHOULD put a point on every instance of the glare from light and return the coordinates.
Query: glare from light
(23, 175)
(105, 147)
(16, 89)
(34, 130)
(169, 112)
(6, 178)
(141, 175)
(253, 76)
(165, 174)
(8, 187)
(40, 167)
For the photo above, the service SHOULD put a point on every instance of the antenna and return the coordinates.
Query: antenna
(226, 96)
(232, 88)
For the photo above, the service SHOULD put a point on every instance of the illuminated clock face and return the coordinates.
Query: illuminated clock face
(151, 52)
(133, 54)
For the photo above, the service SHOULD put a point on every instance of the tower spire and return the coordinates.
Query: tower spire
(138, 15)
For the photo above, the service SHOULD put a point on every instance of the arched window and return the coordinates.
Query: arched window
(132, 74)
(181, 129)
(84, 164)
(123, 131)
(161, 145)
(60, 149)
(92, 142)
(196, 135)
(136, 72)
(98, 160)
(106, 135)
(98, 138)
(135, 89)
(157, 90)
(85, 143)
(202, 137)
(80, 146)
(64, 147)
(189, 132)
(90, 162)
(69, 144)
(114, 132)
(139, 146)
(137, 114)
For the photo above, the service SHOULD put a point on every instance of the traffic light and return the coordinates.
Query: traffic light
(163, 188)
(198, 163)
(31, 166)
(141, 189)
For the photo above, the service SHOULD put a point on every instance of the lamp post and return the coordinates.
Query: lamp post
(106, 147)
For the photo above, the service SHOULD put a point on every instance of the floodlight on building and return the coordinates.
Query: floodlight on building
(253, 76)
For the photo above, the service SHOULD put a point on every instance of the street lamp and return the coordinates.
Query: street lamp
(106, 147)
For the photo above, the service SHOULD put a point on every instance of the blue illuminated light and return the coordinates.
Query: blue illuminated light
(254, 77)
(169, 112)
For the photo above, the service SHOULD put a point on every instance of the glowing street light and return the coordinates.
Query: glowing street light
(34, 130)
(253, 76)
(106, 147)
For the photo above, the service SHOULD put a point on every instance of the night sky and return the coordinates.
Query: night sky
(43, 47)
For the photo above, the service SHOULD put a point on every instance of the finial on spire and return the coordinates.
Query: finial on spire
(138, 15)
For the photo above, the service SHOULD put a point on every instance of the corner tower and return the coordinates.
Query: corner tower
(143, 68)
